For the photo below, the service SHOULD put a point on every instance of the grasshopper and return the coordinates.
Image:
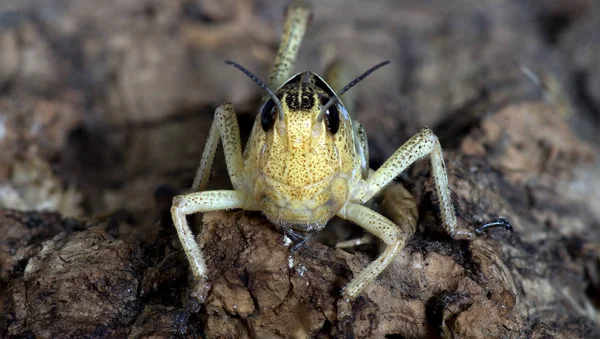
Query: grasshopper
(305, 162)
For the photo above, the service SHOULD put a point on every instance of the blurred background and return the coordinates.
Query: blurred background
(103, 102)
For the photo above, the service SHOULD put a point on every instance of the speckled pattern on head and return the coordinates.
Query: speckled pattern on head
(296, 166)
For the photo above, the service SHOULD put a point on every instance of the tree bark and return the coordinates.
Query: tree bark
(104, 110)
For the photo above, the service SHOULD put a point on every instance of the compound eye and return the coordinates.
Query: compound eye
(332, 119)
(267, 115)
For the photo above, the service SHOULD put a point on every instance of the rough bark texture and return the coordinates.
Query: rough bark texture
(105, 106)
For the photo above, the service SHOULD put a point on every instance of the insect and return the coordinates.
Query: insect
(305, 162)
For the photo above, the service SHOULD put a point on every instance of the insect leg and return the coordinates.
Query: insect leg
(422, 144)
(296, 21)
(200, 202)
(398, 205)
(393, 235)
(224, 127)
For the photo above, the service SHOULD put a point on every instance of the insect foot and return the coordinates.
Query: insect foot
(467, 233)
(498, 222)
(200, 291)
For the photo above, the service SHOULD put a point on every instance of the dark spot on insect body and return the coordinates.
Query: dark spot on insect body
(267, 115)
(332, 119)
(308, 90)
(307, 103)
(292, 102)
(332, 115)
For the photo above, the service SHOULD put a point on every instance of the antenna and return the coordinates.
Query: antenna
(348, 86)
(259, 83)
(362, 77)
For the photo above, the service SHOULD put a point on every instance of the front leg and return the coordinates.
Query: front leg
(393, 235)
(186, 204)
(224, 127)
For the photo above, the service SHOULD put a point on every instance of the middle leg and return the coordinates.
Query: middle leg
(398, 205)
(422, 144)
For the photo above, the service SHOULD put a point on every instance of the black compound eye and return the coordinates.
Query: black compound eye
(332, 119)
(267, 115)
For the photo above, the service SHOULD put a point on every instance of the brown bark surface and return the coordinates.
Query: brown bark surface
(104, 110)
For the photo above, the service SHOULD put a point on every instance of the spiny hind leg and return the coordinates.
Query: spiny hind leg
(186, 204)
(296, 20)
(224, 127)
